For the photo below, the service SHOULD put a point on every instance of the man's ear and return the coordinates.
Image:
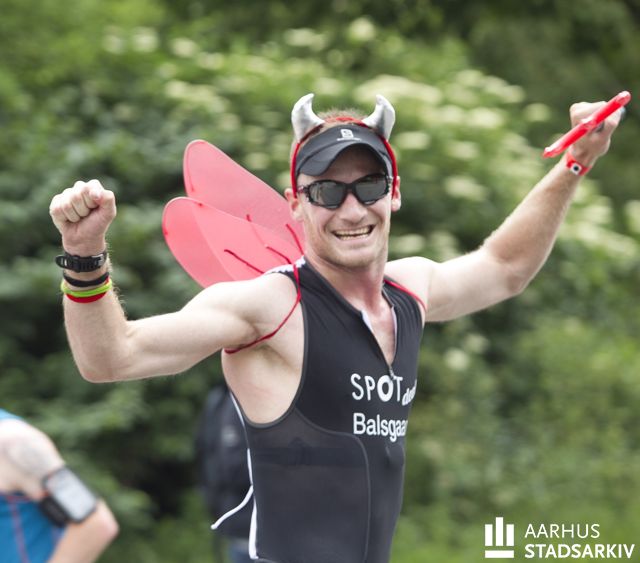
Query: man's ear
(396, 198)
(294, 204)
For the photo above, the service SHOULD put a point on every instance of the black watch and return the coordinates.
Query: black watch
(81, 263)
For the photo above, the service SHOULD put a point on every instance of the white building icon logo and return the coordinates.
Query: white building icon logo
(498, 536)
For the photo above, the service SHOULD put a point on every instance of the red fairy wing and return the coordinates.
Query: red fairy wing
(211, 177)
(214, 246)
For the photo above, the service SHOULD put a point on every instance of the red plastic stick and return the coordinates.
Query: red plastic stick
(588, 124)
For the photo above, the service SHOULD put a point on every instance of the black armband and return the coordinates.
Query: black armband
(81, 263)
(86, 283)
(67, 498)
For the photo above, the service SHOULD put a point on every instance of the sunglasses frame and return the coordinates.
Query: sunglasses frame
(349, 187)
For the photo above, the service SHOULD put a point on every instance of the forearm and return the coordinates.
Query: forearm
(524, 240)
(108, 347)
(105, 345)
(84, 542)
(97, 332)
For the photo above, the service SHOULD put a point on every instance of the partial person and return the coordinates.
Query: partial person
(321, 355)
(223, 472)
(47, 513)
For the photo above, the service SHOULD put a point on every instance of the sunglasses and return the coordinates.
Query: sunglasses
(331, 193)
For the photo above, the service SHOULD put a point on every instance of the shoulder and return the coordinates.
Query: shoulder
(414, 273)
(255, 300)
(409, 268)
(270, 285)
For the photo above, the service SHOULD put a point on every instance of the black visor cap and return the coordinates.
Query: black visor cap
(321, 151)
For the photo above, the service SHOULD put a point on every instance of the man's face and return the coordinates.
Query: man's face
(354, 236)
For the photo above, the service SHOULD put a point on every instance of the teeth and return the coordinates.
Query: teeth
(353, 233)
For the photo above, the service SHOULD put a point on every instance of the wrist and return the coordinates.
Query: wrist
(584, 158)
(85, 280)
(84, 247)
(83, 264)
(575, 165)
(86, 295)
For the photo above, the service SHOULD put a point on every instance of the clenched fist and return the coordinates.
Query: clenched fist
(596, 143)
(83, 214)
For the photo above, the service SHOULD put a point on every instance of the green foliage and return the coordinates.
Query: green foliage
(527, 409)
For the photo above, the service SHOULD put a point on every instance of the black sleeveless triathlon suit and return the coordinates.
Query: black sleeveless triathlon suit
(328, 475)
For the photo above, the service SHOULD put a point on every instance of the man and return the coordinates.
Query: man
(46, 512)
(321, 356)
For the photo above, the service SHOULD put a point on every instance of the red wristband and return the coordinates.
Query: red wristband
(90, 299)
(574, 166)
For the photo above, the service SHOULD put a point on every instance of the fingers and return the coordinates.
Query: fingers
(583, 110)
(597, 141)
(616, 117)
(610, 123)
(83, 214)
(77, 202)
(56, 210)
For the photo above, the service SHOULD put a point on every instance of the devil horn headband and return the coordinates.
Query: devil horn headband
(304, 119)
(382, 118)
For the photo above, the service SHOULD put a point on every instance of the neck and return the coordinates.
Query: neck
(362, 287)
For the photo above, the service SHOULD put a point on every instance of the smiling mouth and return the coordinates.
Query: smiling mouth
(352, 234)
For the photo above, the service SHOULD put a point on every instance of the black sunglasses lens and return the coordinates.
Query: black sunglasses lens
(371, 189)
(331, 194)
(327, 193)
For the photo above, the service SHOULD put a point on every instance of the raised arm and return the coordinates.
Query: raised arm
(514, 253)
(107, 346)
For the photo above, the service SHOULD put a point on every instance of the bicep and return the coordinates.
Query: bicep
(171, 343)
(458, 286)
(468, 284)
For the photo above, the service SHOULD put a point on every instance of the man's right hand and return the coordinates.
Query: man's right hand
(83, 214)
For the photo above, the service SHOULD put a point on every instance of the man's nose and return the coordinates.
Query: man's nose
(351, 209)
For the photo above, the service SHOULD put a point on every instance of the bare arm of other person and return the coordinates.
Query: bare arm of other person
(26, 457)
(107, 347)
(513, 254)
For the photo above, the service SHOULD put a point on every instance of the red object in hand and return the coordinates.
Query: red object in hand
(587, 124)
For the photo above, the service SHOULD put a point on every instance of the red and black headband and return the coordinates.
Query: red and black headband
(317, 154)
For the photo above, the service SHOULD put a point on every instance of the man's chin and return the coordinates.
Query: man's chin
(357, 258)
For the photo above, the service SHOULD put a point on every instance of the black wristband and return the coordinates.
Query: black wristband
(81, 263)
(86, 283)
